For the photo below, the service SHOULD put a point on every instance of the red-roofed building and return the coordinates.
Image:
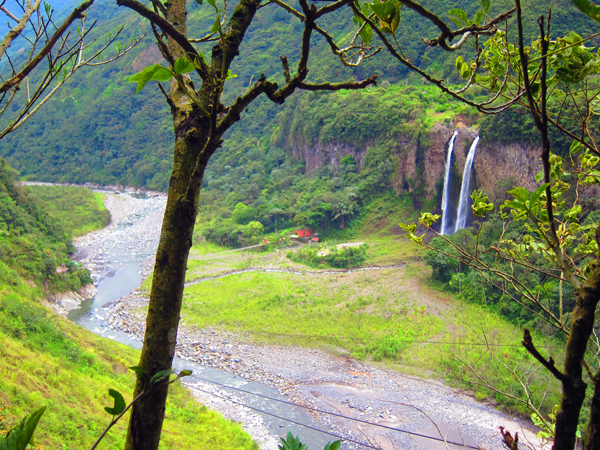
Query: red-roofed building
(303, 233)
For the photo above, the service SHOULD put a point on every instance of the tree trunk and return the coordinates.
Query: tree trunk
(592, 436)
(582, 322)
(591, 292)
(191, 133)
(199, 123)
(166, 294)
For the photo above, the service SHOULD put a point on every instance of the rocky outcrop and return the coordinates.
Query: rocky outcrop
(496, 161)
(330, 154)
(421, 158)
(63, 302)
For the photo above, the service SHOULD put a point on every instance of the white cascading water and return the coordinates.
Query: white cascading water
(461, 219)
(445, 196)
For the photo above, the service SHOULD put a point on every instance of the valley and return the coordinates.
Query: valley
(323, 372)
(366, 224)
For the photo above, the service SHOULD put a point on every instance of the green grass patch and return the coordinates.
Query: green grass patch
(45, 360)
(389, 315)
(77, 210)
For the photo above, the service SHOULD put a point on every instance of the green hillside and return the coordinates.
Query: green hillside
(33, 245)
(119, 137)
(48, 361)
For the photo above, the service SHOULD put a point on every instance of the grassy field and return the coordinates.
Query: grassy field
(392, 316)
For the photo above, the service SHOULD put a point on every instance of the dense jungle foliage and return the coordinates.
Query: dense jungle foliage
(35, 242)
(119, 137)
(492, 291)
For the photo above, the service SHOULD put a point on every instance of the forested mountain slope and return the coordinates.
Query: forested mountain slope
(33, 245)
(116, 136)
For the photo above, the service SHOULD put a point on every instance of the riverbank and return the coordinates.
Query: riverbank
(130, 241)
(340, 385)
(381, 401)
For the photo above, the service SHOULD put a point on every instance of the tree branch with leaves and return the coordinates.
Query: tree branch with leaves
(202, 114)
(55, 53)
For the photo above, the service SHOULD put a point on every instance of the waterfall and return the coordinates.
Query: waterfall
(445, 194)
(461, 218)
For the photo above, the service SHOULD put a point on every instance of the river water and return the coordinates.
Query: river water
(118, 258)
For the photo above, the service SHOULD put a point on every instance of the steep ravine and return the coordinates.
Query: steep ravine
(307, 377)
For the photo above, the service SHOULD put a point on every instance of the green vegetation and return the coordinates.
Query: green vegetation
(323, 256)
(116, 136)
(255, 185)
(398, 317)
(32, 245)
(46, 360)
(77, 211)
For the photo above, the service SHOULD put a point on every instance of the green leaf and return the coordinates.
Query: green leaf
(217, 25)
(395, 23)
(184, 373)
(21, 435)
(119, 405)
(183, 65)
(333, 445)
(159, 376)
(588, 8)
(384, 11)
(485, 5)
(230, 75)
(139, 372)
(199, 2)
(576, 147)
(152, 73)
(460, 15)
(212, 3)
(536, 194)
(480, 206)
(366, 34)
(428, 218)
(571, 214)
(519, 193)
(514, 205)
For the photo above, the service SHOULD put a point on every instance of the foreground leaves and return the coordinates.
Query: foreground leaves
(21, 435)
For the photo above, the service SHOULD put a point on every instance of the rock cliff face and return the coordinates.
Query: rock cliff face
(327, 154)
(422, 158)
(63, 302)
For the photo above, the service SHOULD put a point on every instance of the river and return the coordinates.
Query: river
(381, 402)
(119, 257)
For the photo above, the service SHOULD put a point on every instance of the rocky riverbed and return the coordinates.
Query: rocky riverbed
(382, 402)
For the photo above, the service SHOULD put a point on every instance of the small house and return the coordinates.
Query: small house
(303, 233)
